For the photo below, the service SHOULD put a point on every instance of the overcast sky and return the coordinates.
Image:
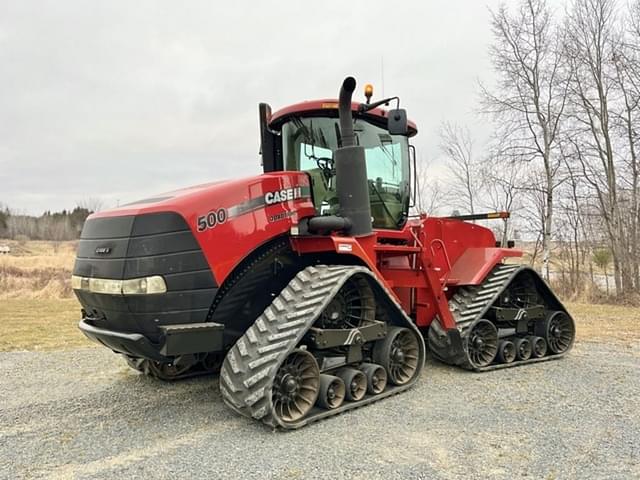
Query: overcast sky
(121, 100)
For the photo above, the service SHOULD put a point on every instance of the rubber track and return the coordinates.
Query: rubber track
(248, 371)
(469, 304)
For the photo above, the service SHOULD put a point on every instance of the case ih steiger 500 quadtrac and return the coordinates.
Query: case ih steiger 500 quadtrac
(309, 287)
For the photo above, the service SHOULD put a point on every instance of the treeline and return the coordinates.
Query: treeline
(54, 226)
(564, 156)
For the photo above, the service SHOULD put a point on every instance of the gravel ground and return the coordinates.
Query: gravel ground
(83, 414)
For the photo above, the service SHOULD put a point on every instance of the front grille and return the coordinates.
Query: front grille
(136, 246)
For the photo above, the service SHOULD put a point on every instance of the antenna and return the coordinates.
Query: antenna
(382, 73)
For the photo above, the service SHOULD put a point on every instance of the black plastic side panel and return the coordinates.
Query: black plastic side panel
(153, 223)
(162, 243)
(109, 227)
(131, 247)
(99, 267)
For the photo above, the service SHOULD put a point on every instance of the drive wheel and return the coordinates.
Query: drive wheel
(352, 306)
(296, 386)
(482, 343)
(559, 332)
(398, 353)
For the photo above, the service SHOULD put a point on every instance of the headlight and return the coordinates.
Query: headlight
(101, 285)
(142, 286)
(76, 282)
(134, 286)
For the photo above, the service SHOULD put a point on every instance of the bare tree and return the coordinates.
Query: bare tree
(627, 121)
(456, 145)
(573, 207)
(592, 51)
(429, 190)
(92, 204)
(4, 217)
(502, 190)
(530, 96)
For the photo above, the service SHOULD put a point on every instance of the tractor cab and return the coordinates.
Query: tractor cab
(305, 136)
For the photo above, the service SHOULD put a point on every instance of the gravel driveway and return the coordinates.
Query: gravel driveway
(83, 414)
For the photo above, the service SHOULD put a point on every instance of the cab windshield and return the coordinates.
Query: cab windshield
(308, 145)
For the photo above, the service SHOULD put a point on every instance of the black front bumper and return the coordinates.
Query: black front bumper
(134, 344)
(176, 340)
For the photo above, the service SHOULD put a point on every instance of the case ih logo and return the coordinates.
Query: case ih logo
(284, 195)
(218, 216)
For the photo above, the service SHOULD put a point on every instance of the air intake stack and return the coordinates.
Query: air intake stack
(352, 183)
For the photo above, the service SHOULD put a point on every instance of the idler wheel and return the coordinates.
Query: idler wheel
(523, 348)
(538, 346)
(376, 377)
(506, 351)
(332, 392)
(355, 383)
(398, 353)
(296, 386)
(560, 331)
(482, 343)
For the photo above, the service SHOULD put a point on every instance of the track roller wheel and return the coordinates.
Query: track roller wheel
(560, 331)
(482, 343)
(167, 371)
(538, 346)
(332, 392)
(296, 386)
(506, 351)
(523, 348)
(376, 377)
(355, 383)
(398, 353)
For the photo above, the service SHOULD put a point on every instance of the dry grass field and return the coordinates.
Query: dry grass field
(36, 270)
(40, 324)
(38, 310)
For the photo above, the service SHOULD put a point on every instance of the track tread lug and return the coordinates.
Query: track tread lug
(260, 325)
(233, 362)
(242, 347)
(262, 360)
(251, 336)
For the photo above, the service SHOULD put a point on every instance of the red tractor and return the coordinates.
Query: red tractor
(310, 288)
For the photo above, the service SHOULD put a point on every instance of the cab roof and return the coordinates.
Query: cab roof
(328, 107)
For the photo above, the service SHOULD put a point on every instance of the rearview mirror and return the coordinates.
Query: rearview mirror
(397, 123)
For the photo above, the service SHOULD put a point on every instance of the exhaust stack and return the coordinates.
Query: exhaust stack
(352, 184)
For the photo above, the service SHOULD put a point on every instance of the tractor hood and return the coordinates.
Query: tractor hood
(227, 219)
(182, 245)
